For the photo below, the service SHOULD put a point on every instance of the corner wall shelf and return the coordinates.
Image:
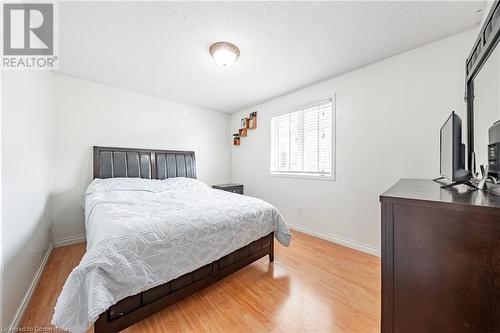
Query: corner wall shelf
(247, 123)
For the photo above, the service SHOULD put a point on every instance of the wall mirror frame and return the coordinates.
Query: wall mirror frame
(485, 44)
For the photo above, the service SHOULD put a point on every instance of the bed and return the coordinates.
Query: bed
(156, 235)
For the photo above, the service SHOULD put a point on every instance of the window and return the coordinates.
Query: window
(302, 141)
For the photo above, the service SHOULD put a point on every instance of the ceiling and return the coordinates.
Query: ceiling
(161, 48)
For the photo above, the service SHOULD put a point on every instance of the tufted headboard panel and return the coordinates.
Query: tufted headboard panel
(111, 162)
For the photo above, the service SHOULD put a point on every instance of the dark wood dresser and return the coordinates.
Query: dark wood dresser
(440, 259)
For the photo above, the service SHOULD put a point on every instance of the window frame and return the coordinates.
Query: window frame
(331, 177)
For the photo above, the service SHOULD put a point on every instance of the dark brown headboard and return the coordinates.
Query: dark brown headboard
(110, 162)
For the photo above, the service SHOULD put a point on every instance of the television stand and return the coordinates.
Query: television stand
(458, 182)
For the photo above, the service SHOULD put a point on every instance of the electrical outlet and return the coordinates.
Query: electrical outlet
(299, 211)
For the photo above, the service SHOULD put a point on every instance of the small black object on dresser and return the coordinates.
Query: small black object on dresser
(440, 259)
(231, 187)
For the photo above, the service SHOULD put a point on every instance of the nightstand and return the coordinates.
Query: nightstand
(231, 187)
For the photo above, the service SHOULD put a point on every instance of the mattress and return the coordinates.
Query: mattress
(142, 233)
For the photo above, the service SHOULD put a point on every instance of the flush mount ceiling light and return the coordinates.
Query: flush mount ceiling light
(224, 53)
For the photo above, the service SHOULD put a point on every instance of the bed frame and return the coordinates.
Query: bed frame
(112, 162)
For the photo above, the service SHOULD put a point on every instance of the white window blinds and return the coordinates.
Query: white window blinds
(302, 140)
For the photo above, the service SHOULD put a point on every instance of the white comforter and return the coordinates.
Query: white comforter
(142, 233)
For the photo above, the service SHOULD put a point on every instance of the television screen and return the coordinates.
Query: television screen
(447, 149)
(452, 152)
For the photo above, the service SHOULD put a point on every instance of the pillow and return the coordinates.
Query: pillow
(183, 183)
(124, 184)
(141, 184)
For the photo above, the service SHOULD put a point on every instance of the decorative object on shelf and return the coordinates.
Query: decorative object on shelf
(236, 139)
(252, 120)
(243, 131)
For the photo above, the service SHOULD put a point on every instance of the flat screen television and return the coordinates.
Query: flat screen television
(452, 150)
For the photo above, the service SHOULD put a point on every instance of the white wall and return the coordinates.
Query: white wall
(26, 158)
(88, 114)
(388, 120)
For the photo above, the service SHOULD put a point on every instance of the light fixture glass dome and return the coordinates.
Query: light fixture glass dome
(224, 53)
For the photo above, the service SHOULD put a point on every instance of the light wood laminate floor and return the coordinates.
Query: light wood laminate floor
(312, 286)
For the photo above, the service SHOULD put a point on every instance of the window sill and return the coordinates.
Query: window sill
(288, 175)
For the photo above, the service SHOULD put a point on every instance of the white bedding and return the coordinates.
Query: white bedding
(143, 233)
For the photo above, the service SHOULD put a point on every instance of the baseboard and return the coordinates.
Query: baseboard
(69, 240)
(27, 298)
(370, 249)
